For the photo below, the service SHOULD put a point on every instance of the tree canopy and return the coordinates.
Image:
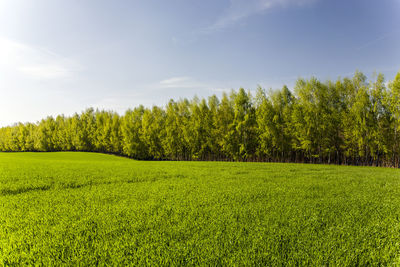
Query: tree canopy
(347, 121)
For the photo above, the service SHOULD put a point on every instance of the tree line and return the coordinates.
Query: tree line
(348, 121)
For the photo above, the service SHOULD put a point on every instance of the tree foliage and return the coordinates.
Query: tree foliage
(349, 121)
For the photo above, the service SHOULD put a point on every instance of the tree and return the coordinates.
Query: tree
(131, 125)
(153, 131)
(225, 129)
(244, 123)
(394, 108)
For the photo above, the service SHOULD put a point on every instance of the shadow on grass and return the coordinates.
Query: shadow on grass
(17, 191)
(70, 185)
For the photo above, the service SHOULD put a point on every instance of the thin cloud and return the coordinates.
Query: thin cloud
(378, 39)
(33, 62)
(175, 81)
(46, 71)
(193, 85)
(181, 82)
(222, 90)
(238, 10)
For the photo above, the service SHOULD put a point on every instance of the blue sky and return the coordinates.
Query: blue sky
(62, 56)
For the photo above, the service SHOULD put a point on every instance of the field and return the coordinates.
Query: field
(87, 209)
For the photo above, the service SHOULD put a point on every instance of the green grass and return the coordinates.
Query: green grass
(87, 209)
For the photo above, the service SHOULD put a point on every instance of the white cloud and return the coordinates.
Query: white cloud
(241, 9)
(46, 71)
(196, 87)
(33, 62)
(181, 82)
(193, 86)
(222, 90)
(174, 81)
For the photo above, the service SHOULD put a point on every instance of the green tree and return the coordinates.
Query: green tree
(153, 131)
(131, 125)
(394, 107)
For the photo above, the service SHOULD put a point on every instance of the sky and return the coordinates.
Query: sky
(63, 56)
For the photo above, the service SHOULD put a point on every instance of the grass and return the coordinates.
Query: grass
(88, 209)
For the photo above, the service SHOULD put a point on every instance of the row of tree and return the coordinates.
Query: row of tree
(350, 121)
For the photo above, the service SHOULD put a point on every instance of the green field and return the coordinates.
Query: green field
(87, 209)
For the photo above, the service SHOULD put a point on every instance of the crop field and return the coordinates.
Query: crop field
(85, 208)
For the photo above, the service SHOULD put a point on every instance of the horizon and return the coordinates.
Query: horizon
(62, 57)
